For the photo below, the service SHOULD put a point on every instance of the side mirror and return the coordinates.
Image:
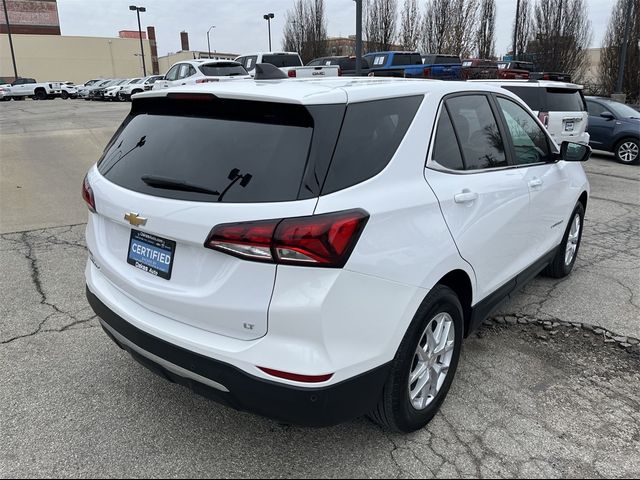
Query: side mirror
(574, 152)
(607, 115)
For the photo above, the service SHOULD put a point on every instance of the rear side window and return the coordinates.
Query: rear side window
(222, 69)
(370, 135)
(477, 131)
(226, 150)
(447, 60)
(532, 96)
(565, 100)
(282, 60)
(445, 149)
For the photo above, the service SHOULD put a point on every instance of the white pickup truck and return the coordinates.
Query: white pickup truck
(28, 87)
(289, 62)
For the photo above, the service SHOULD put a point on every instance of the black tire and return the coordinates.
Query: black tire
(394, 410)
(624, 154)
(558, 268)
(18, 99)
(64, 95)
(40, 95)
(136, 91)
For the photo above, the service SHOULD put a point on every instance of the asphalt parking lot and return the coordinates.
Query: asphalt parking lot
(550, 387)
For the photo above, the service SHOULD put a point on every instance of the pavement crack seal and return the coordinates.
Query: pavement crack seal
(37, 283)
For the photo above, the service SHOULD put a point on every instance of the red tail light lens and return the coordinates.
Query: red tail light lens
(325, 240)
(292, 74)
(544, 118)
(426, 72)
(207, 80)
(87, 194)
(297, 377)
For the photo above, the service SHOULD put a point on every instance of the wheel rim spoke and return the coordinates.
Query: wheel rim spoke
(431, 361)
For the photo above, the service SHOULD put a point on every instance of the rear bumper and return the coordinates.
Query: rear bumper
(228, 385)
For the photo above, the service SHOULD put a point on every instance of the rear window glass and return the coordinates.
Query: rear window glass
(370, 135)
(282, 60)
(530, 95)
(406, 59)
(564, 100)
(244, 151)
(447, 60)
(222, 69)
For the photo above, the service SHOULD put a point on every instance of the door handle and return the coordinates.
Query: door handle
(465, 197)
(536, 182)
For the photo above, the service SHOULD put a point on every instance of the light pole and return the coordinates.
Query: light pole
(13, 56)
(208, 42)
(136, 9)
(358, 37)
(268, 18)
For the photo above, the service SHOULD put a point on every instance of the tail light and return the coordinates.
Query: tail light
(207, 80)
(87, 194)
(426, 72)
(544, 118)
(292, 74)
(325, 240)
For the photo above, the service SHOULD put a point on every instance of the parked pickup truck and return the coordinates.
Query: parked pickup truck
(289, 62)
(479, 69)
(514, 70)
(442, 67)
(28, 87)
(414, 65)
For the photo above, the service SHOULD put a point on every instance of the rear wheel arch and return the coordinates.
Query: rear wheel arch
(460, 282)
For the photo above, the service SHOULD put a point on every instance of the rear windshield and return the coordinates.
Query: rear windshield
(228, 151)
(222, 69)
(565, 100)
(282, 60)
(530, 95)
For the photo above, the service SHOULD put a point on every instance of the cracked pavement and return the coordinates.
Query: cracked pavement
(525, 402)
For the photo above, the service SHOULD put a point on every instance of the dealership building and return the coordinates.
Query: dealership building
(43, 53)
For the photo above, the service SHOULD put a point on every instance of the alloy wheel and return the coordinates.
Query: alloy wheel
(572, 240)
(628, 152)
(431, 361)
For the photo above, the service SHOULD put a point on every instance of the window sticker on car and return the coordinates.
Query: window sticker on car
(379, 60)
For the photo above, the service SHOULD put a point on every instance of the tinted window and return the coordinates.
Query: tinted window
(530, 95)
(595, 109)
(529, 141)
(564, 100)
(445, 149)
(173, 73)
(370, 136)
(222, 69)
(406, 59)
(477, 131)
(447, 60)
(622, 110)
(282, 60)
(204, 143)
(315, 63)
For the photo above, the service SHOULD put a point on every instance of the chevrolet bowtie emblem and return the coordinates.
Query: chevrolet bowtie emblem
(134, 219)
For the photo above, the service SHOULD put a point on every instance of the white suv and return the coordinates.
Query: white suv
(560, 106)
(313, 251)
(201, 71)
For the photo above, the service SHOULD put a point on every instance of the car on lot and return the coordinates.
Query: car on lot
(99, 92)
(513, 70)
(147, 84)
(4, 93)
(87, 91)
(68, 90)
(614, 127)
(347, 64)
(28, 87)
(289, 62)
(442, 67)
(201, 71)
(114, 92)
(479, 69)
(126, 90)
(560, 106)
(313, 251)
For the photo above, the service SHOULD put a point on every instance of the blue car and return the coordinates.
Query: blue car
(614, 127)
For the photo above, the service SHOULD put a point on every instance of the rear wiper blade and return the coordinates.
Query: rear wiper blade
(171, 184)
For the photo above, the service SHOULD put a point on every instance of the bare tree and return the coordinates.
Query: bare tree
(305, 29)
(525, 26)
(381, 24)
(435, 27)
(485, 38)
(410, 25)
(561, 36)
(462, 15)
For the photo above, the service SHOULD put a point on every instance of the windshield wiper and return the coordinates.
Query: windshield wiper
(171, 184)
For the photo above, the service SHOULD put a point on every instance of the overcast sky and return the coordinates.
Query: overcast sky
(239, 24)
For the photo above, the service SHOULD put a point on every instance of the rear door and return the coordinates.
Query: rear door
(175, 170)
(485, 201)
